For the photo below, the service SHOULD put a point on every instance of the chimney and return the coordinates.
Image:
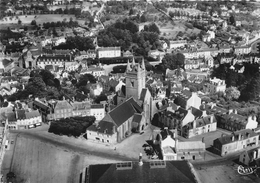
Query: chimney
(254, 154)
(230, 111)
(233, 137)
(113, 129)
(140, 159)
(212, 118)
(194, 124)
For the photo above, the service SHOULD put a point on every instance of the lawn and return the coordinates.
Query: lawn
(170, 30)
(40, 19)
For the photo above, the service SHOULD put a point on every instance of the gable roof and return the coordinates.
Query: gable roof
(124, 111)
(246, 133)
(173, 171)
(105, 127)
(62, 104)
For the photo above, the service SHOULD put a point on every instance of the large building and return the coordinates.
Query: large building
(237, 141)
(140, 172)
(108, 52)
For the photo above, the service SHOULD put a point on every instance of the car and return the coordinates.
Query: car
(12, 142)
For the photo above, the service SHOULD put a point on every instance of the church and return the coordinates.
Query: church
(135, 86)
(132, 113)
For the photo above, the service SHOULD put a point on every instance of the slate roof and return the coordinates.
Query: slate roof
(81, 105)
(228, 138)
(103, 127)
(62, 104)
(165, 132)
(124, 111)
(40, 105)
(172, 172)
(32, 114)
(97, 106)
(10, 116)
(196, 112)
(143, 94)
(190, 146)
(137, 118)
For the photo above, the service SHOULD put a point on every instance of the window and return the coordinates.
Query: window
(132, 83)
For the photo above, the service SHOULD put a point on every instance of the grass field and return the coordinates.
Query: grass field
(41, 162)
(40, 19)
(172, 30)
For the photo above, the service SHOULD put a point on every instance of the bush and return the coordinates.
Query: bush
(74, 126)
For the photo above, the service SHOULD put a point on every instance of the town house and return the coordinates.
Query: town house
(230, 120)
(214, 85)
(97, 110)
(108, 52)
(187, 99)
(239, 140)
(60, 109)
(81, 108)
(250, 157)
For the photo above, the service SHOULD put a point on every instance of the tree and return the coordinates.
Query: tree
(152, 27)
(19, 22)
(33, 22)
(173, 61)
(232, 19)
(143, 18)
(232, 93)
(85, 79)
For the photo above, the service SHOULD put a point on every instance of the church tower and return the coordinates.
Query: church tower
(135, 79)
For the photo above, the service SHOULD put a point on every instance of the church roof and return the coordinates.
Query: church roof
(124, 111)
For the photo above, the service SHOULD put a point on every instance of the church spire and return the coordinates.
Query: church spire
(143, 65)
(128, 68)
(133, 62)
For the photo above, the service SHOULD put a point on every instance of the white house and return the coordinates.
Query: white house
(177, 44)
(108, 52)
(215, 85)
(97, 110)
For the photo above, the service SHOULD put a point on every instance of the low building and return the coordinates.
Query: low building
(200, 126)
(23, 119)
(95, 71)
(250, 157)
(230, 120)
(177, 44)
(237, 141)
(214, 85)
(173, 149)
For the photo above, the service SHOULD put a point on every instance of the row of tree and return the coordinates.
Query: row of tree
(74, 126)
